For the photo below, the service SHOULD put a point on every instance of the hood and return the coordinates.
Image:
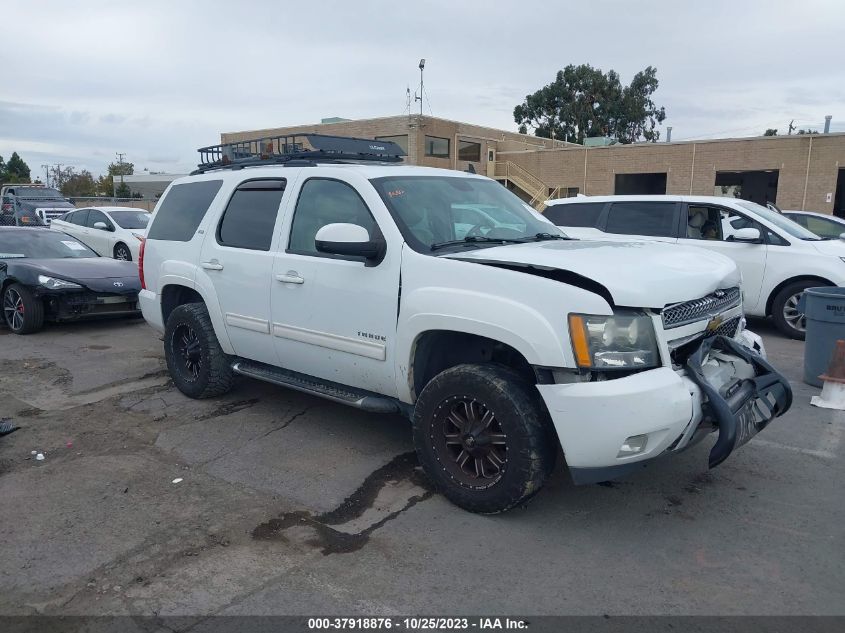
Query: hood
(834, 247)
(42, 203)
(636, 274)
(96, 273)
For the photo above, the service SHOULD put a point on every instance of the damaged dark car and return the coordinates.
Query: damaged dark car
(50, 276)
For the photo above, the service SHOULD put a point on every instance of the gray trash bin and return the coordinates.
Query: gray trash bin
(825, 312)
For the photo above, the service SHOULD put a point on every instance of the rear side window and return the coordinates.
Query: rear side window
(182, 210)
(250, 216)
(656, 219)
(584, 215)
(79, 217)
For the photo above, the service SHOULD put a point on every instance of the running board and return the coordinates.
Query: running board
(336, 392)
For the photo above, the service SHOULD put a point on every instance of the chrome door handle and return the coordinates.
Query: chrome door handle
(212, 265)
(290, 277)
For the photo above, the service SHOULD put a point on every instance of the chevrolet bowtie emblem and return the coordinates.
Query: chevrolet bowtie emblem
(714, 324)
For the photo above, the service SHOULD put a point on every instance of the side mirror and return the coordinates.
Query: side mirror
(748, 235)
(350, 240)
(102, 226)
(842, 236)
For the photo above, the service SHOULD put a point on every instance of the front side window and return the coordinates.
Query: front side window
(656, 219)
(822, 226)
(321, 202)
(250, 216)
(704, 223)
(183, 208)
(431, 210)
(95, 216)
(467, 150)
(436, 147)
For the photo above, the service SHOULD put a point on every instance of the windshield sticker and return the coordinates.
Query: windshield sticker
(11, 255)
(74, 246)
(396, 193)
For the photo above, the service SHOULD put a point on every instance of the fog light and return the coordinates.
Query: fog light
(633, 445)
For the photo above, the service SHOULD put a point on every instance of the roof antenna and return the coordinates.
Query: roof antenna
(408, 100)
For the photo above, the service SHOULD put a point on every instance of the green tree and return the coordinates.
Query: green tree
(123, 191)
(770, 132)
(105, 185)
(17, 168)
(79, 185)
(808, 131)
(584, 102)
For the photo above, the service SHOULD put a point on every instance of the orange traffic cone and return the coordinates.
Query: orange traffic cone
(833, 390)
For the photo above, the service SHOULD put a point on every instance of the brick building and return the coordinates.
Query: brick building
(795, 172)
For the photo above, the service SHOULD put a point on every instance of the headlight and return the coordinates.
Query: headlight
(622, 341)
(56, 284)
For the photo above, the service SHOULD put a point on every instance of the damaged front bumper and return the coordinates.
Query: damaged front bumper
(70, 305)
(722, 386)
(743, 405)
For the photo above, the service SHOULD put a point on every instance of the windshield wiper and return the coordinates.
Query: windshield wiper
(542, 237)
(475, 239)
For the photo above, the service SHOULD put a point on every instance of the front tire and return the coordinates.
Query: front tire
(788, 319)
(483, 437)
(197, 363)
(23, 313)
(122, 252)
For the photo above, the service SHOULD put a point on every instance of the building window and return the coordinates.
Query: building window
(401, 140)
(467, 150)
(437, 147)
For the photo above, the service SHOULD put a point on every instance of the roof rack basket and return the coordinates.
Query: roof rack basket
(307, 147)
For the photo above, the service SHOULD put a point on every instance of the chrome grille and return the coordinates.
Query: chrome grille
(698, 309)
(728, 328)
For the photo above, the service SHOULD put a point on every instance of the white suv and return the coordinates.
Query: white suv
(778, 258)
(337, 273)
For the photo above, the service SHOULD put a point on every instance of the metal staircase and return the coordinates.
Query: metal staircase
(534, 189)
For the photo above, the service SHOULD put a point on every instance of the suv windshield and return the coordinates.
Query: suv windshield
(41, 244)
(780, 221)
(131, 219)
(437, 210)
(37, 192)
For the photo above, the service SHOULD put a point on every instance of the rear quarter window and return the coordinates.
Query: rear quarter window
(582, 215)
(182, 210)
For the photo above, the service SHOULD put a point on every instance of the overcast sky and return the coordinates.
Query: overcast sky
(155, 80)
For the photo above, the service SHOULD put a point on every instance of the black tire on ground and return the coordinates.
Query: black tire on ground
(784, 309)
(121, 251)
(22, 312)
(197, 364)
(483, 437)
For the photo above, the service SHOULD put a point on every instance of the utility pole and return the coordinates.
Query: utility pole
(46, 169)
(120, 156)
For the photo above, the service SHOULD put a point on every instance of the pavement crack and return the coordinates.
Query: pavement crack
(286, 423)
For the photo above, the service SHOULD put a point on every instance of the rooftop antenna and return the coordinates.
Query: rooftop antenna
(408, 100)
(422, 86)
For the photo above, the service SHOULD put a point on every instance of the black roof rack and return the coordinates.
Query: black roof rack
(299, 147)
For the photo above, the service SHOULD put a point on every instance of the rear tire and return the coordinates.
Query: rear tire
(122, 252)
(197, 363)
(788, 319)
(23, 313)
(483, 437)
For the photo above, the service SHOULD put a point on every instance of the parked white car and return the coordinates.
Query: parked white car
(360, 282)
(110, 231)
(822, 224)
(778, 258)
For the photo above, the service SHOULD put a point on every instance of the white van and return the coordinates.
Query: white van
(778, 258)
